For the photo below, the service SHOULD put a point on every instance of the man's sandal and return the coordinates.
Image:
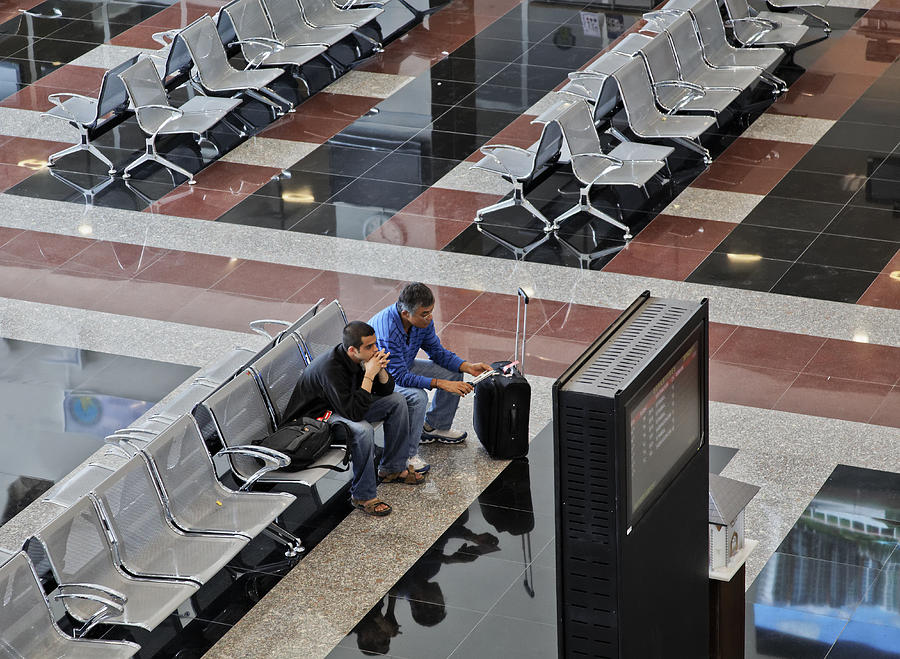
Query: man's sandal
(411, 477)
(375, 507)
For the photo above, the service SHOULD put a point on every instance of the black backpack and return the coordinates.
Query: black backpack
(307, 441)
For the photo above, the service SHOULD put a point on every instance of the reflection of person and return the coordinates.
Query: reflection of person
(375, 631)
(403, 329)
(352, 382)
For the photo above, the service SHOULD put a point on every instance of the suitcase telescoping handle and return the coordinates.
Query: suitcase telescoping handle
(521, 320)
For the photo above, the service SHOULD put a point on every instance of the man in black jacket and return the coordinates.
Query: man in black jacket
(352, 382)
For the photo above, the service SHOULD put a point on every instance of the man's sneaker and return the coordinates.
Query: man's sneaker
(418, 464)
(450, 436)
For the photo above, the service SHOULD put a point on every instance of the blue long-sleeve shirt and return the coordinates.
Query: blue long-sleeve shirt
(403, 348)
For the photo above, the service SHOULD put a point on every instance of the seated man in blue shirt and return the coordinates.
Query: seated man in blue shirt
(402, 329)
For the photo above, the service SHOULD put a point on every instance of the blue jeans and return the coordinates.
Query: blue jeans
(394, 410)
(443, 406)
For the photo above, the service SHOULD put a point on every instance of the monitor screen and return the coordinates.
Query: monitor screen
(665, 425)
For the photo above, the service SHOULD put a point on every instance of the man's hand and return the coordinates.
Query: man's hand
(375, 365)
(476, 368)
(457, 387)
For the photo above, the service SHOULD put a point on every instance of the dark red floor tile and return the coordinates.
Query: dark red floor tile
(747, 385)
(733, 177)
(234, 177)
(834, 398)
(7, 234)
(688, 232)
(883, 292)
(450, 204)
(266, 280)
(17, 279)
(493, 310)
(74, 77)
(548, 356)
(888, 414)
(467, 25)
(139, 36)
(337, 106)
(475, 344)
(763, 153)
(856, 361)
(42, 249)
(368, 294)
(769, 349)
(718, 334)
(828, 106)
(69, 289)
(178, 15)
(11, 175)
(521, 133)
(111, 260)
(579, 323)
(300, 127)
(417, 231)
(30, 98)
(29, 153)
(656, 261)
(148, 299)
(189, 269)
(850, 54)
(200, 203)
(449, 302)
(233, 312)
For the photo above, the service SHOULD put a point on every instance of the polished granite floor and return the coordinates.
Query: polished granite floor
(65, 401)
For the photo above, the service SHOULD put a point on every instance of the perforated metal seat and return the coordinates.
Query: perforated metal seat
(87, 114)
(278, 371)
(752, 30)
(79, 551)
(258, 326)
(156, 117)
(195, 498)
(28, 629)
(323, 13)
(323, 331)
(649, 123)
(291, 28)
(148, 545)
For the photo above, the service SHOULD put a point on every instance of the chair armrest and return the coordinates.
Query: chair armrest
(176, 114)
(486, 150)
(692, 86)
(56, 97)
(257, 325)
(764, 23)
(273, 459)
(160, 37)
(587, 73)
(112, 602)
(615, 163)
(265, 42)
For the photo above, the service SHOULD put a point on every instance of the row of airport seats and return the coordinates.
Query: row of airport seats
(133, 543)
(617, 121)
(274, 37)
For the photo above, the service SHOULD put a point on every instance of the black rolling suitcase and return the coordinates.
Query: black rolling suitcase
(503, 399)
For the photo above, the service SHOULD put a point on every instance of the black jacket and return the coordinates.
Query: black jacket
(333, 382)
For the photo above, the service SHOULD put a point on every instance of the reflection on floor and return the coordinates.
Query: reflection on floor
(57, 404)
(487, 587)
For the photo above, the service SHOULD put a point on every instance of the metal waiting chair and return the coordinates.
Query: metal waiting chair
(195, 499)
(674, 93)
(323, 331)
(215, 75)
(258, 326)
(244, 23)
(88, 114)
(149, 545)
(750, 30)
(647, 122)
(520, 167)
(278, 371)
(240, 416)
(592, 167)
(156, 117)
(802, 5)
(80, 549)
(290, 28)
(323, 13)
(28, 627)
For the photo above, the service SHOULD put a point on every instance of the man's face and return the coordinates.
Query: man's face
(365, 351)
(421, 318)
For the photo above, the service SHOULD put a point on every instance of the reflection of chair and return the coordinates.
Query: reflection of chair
(585, 259)
(750, 30)
(156, 117)
(28, 627)
(802, 6)
(520, 167)
(593, 167)
(88, 114)
(87, 193)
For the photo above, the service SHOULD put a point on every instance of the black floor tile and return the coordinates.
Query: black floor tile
(798, 214)
(862, 222)
(889, 169)
(507, 525)
(533, 598)
(836, 160)
(522, 487)
(371, 193)
(827, 534)
(499, 636)
(25, 72)
(786, 633)
(433, 91)
(824, 282)
(411, 168)
(874, 111)
(856, 487)
(474, 121)
(517, 30)
(12, 43)
(747, 272)
(861, 136)
(53, 50)
(343, 221)
(493, 50)
(814, 186)
(847, 252)
(35, 26)
(521, 76)
(768, 242)
(304, 186)
(268, 212)
(401, 628)
(493, 97)
(89, 31)
(878, 193)
(341, 160)
(885, 88)
(786, 582)
(441, 144)
(465, 69)
(547, 53)
(860, 639)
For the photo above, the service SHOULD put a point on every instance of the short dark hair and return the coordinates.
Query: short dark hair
(354, 332)
(415, 295)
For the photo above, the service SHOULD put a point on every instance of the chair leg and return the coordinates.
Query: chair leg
(518, 252)
(694, 146)
(500, 205)
(826, 26)
(294, 547)
(584, 204)
(75, 148)
(102, 158)
(151, 154)
(276, 109)
(527, 205)
(278, 98)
